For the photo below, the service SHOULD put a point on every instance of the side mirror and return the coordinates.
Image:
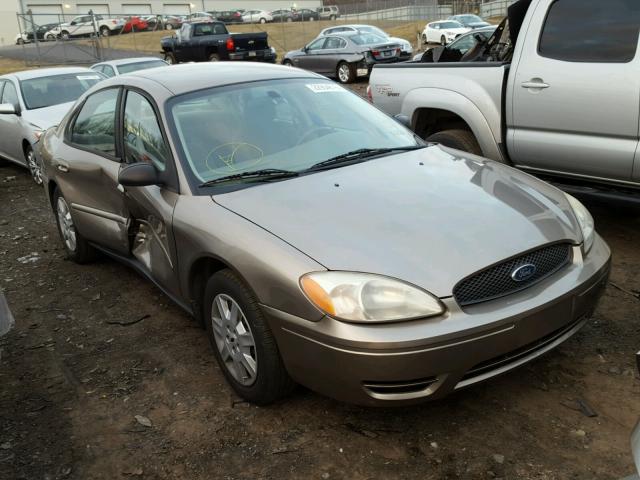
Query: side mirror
(138, 175)
(403, 120)
(479, 38)
(72, 23)
(8, 109)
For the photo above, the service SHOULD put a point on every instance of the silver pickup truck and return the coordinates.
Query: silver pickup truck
(555, 91)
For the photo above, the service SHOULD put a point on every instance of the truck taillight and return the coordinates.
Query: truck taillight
(230, 45)
(375, 53)
(369, 94)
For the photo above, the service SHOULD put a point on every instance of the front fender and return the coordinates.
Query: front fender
(447, 100)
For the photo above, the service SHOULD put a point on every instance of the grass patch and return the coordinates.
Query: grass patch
(10, 65)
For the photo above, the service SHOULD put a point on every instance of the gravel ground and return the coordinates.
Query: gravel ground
(104, 378)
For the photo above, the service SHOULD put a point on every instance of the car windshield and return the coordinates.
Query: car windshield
(134, 67)
(367, 39)
(56, 89)
(468, 18)
(277, 124)
(451, 25)
(374, 30)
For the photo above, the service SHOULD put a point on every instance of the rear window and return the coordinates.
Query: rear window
(134, 67)
(202, 29)
(367, 39)
(591, 31)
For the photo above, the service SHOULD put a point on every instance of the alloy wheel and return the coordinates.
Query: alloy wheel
(67, 228)
(234, 339)
(344, 73)
(34, 167)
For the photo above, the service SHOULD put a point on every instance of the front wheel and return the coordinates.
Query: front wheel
(170, 58)
(77, 248)
(105, 32)
(242, 341)
(289, 19)
(443, 41)
(311, 19)
(65, 35)
(20, 41)
(33, 164)
(263, 20)
(50, 38)
(463, 140)
(287, 63)
(345, 73)
(424, 39)
(332, 17)
(168, 26)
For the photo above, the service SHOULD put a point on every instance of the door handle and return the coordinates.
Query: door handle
(63, 168)
(535, 84)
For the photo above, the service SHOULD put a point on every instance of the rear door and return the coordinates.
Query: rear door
(151, 207)
(87, 168)
(575, 94)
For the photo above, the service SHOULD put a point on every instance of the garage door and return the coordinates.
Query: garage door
(98, 8)
(136, 9)
(176, 9)
(44, 14)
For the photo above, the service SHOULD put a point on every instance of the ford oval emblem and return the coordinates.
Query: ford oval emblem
(523, 273)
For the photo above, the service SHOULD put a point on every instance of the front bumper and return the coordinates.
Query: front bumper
(402, 363)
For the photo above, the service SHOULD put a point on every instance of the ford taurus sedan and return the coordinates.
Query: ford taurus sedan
(31, 102)
(123, 66)
(320, 245)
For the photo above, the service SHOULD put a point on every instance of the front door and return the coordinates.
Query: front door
(87, 168)
(11, 126)
(576, 92)
(151, 207)
(309, 60)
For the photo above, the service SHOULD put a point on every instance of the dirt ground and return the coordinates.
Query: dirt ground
(73, 379)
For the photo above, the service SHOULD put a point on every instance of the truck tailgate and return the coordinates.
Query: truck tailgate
(250, 41)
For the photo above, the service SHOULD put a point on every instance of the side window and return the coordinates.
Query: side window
(591, 31)
(10, 95)
(108, 71)
(143, 140)
(316, 45)
(94, 127)
(464, 44)
(333, 42)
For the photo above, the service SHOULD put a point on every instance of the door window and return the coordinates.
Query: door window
(143, 141)
(94, 128)
(591, 31)
(108, 71)
(334, 43)
(10, 95)
(316, 45)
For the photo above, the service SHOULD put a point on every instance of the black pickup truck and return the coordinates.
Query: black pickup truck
(211, 41)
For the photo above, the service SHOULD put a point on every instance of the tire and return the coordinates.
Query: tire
(345, 73)
(78, 250)
(287, 63)
(332, 17)
(443, 41)
(20, 41)
(459, 139)
(104, 31)
(263, 20)
(64, 35)
(50, 38)
(170, 58)
(289, 19)
(214, 57)
(33, 165)
(168, 26)
(311, 19)
(424, 39)
(269, 381)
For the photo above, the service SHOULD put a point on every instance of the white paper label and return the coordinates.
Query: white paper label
(88, 77)
(324, 87)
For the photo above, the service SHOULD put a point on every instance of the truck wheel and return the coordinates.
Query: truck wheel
(104, 31)
(242, 341)
(214, 57)
(170, 58)
(345, 73)
(459, 139)
(443, 41)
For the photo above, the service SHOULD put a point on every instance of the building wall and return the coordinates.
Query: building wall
(8, 21)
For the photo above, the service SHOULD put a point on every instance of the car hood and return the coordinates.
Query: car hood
(455, 30)
(430, 217)
(475, 25)
(47, 117)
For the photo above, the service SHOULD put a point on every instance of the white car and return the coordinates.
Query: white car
(406, 47)
(123, 66)
(257, 16)
(200, 17)
(83, 25)
(31, 102)
(443, 32)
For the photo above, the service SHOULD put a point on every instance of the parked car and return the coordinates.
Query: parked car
(32, 101)
(526, 97)
(280, 16)
(134, 24)
(305, 15)
(456, 50)
(257, 16)
(199, 17)
(123, 66)
(28, 36)
(172, 22)
(227, 16)
(84, 25)
(221, 165)
(329, 12)
(162, 22)
(470, 21)
(443, 32)
(346, 56)
(406, 47)
(211, 41)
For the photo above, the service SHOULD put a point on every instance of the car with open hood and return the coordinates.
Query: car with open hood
(320, 245)
(34, 100)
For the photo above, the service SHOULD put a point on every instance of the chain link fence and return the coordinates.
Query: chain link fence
(86, 39)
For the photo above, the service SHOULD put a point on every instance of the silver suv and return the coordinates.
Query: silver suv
(328, 13)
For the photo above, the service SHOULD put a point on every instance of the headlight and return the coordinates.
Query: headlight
(585, 220)
(364, 297)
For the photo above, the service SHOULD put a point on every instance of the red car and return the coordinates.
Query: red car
(135, 23)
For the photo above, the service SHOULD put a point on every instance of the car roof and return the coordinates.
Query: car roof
(189, 77)
(127, 61)
(46, 72)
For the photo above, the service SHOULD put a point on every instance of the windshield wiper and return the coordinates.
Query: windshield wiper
(360, 154)
(264, 174)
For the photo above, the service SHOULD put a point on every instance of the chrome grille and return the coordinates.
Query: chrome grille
(495, 282)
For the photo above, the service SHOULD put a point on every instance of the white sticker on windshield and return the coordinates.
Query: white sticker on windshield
(88, 77)
(324, 87)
